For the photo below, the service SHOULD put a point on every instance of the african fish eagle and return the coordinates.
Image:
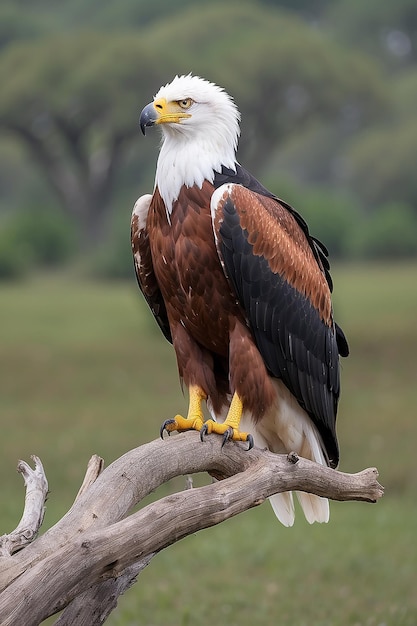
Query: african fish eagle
(241, 289)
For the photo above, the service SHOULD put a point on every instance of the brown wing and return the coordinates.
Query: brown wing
(286, 297)
(142, 260)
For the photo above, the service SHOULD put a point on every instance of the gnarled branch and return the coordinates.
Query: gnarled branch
(96, 549)
(36, 492)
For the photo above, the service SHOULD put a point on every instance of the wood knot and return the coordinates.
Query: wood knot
(293, 457)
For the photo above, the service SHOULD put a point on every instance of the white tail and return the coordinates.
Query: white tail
(283, 507)
(287, 428)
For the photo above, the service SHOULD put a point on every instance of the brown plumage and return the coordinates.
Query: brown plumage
(241, 289)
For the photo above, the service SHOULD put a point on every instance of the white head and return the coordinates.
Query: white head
(200, 127)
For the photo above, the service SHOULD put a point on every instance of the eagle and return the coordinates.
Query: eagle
(240, 288)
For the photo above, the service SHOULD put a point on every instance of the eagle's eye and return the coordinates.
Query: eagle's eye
(186, 103)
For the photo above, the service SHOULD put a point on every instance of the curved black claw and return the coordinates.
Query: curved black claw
(203, 432)
(250, 443)
(227, 435)
(164, 427)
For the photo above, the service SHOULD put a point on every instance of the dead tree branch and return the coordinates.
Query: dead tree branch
(36, 492)
(96, 550)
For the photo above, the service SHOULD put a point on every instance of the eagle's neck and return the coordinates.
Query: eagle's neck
(190, 160)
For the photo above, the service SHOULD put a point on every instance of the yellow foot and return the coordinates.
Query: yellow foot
(194, 419)
(229, 433)
(230, 427)
(181, 424)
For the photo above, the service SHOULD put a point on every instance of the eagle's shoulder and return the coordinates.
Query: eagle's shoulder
(241, 176)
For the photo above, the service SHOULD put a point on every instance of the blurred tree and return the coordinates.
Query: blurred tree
(382, 164)
(15, 25)
(47, 235)
(284, 75)
(386, 29)
(14, 259)
(388, 233)
(74, 102)
(74, 99)
(44, 16)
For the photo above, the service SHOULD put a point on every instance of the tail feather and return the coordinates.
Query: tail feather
(283, 507)
(286, 428)
(315, 508)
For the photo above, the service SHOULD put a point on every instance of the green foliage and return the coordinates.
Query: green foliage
(88, 79)
(49, 234)
(385, 29)
(382, 164)
(112, 260)
(332, 217)
(35, 238)
(99, 15)
(346, 229)
(274, 60)
(283, 74)
(388, 233)
(16, 25)
(14, 258)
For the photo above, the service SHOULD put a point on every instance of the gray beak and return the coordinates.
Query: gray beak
(148, 117)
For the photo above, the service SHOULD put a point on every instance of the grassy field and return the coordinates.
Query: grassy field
(83, 370)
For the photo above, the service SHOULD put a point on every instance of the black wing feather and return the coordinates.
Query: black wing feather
(157, 306)
(296, 345)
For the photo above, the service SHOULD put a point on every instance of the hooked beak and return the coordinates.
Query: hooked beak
(162, 112)
(148, 117)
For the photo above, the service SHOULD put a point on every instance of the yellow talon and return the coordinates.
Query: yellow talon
(230, 427)
(180, 424)
(195, 420)
(195, 417)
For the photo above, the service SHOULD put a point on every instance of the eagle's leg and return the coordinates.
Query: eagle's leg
(230, 427)
(195, 417)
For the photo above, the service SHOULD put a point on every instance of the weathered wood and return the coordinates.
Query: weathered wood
(94, 542)
(94, 468)
(36, 493)
(93, 607)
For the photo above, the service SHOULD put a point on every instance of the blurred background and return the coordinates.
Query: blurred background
(327, 91)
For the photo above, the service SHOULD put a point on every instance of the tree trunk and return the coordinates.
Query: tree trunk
(82, 182)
